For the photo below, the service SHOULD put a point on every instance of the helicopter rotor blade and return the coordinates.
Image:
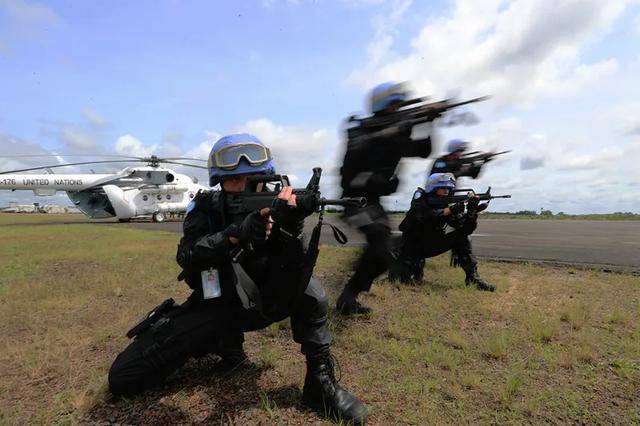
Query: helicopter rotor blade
(69, 155)
(184, 164)
(69, 164)
(184, 158)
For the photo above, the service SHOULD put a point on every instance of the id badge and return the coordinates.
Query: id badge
(210, 284)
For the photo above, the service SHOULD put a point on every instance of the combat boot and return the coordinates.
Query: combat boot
(231, 351)
(347, 303)
(474, 278)
(323, 393)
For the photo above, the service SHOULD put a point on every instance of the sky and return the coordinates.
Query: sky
(169, 77)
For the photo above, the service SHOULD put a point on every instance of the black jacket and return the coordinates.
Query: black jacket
(370, 161)
(274, 267)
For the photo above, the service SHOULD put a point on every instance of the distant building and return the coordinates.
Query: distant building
(14, 207)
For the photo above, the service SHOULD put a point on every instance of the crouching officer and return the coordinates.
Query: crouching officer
(369, 170)
(451, 162)
(244, 269)
(423, 230)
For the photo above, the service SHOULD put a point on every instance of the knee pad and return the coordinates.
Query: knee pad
(315, 300)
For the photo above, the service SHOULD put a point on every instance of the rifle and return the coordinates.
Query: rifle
(263, 190)
(453, 199)
(479, 157)
(483, 196)
(411, 112)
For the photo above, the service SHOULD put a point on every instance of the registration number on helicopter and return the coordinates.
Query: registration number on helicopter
(41, 182)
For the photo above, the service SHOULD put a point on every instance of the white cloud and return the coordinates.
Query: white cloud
(130, 145)
(94, 117)
(25, 19)
(518, 51)
(29, 12)
(296, 149)
(530, 163)
(77, 139)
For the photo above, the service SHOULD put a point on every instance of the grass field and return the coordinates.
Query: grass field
(551, 345)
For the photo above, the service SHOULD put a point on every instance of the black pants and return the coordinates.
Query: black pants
(412, 251)
(200, 327)
(376, 257)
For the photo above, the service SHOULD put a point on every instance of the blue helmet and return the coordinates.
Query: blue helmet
(239, 154)
(385, 94)
(440, 180)
(457, 145)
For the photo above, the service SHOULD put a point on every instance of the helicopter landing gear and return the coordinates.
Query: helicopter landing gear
(158, 217)
(124, 220)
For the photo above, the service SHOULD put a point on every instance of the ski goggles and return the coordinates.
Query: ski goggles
(229, 157)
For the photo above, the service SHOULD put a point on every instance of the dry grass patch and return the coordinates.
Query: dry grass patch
(545, 348)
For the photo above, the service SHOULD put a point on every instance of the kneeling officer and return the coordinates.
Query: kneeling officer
(423, 230)
(244, 269)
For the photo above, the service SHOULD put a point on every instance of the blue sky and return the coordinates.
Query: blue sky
(169, 76)
(153, 67)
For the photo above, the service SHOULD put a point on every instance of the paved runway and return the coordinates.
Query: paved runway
(611, 245)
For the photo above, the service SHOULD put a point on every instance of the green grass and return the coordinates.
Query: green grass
(551, 345)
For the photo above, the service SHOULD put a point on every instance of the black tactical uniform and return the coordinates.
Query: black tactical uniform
(446, 165)
(368, 170)
(424, 235)
(262, 288)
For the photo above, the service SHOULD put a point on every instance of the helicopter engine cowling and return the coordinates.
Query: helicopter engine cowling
(122, 207)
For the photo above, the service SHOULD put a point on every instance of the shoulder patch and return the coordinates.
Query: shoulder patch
(417, 195)
(440, 164)
(190, 206)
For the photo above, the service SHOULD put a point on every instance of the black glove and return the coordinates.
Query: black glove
(457, 208)
(290, 218)
(472, 203)
(252, 229)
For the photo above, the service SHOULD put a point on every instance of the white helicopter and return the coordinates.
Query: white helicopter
(133, 192)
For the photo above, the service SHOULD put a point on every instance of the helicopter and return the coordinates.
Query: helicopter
(131, 193)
